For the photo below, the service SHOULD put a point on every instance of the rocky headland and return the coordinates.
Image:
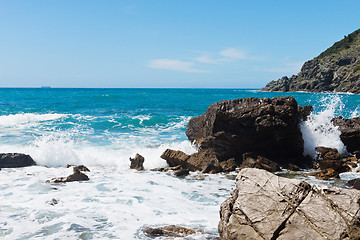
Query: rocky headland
(336, 69)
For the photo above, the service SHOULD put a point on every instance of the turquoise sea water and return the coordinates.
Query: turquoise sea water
(102, 128)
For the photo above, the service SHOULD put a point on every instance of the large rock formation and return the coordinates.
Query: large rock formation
(14, 160)
(268, 127)
(336, 69)
(265, 206)
(350, 132)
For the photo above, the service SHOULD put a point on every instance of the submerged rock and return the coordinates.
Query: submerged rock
(268, 127)
(137, 163)
(76, 176)
(168, 231)
(15, 160)
(265, 206)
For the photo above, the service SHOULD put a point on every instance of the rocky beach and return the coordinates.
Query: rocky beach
(248, 138)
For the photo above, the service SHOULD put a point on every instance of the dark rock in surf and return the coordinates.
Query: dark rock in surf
(330, 163)
(355, 183)
(81, 168)
(15, 160)
(76, 176)
(325, 153)
(268, 127)
(168, 231)
(204, 160)
(181, 172)
(252, 160)
(137, 162)
(350, 132)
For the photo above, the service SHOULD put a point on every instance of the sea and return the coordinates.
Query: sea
(102, 129)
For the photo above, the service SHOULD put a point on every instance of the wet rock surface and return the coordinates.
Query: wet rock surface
(252, 160)
(76, 176)
(137, 163)
(168, 231)
(330, 163)
(266, 126)
(81, 168)
(350, 132)
(15, 160)
(265, 206)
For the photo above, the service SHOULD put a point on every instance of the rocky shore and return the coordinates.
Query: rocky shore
(256, 137)
(336, 69)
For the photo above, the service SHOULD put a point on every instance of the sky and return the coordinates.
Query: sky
(165, 43)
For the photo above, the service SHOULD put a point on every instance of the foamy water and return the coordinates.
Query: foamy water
(102, 129)
(318, 130)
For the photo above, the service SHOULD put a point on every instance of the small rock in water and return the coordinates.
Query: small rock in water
(53, 202)
(81, 168)
(137, 162)
(15, 160)
(181, 172)
(168, 231)
(76, 176)
(355, 183)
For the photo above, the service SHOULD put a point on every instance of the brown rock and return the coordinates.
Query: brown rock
(81, 168)
(137, 162)
(265, 206)
(355, 183)
(168, 231)
(175, 158)
(266, 126)
(291, 167)
(324, 153)
(181, 172)
(229, 165)
(252, 160)
(76, 176)
(350, 132)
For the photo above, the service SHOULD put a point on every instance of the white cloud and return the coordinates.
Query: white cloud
(171, 64)
(227, 55)
(233, 53)
(207, 59)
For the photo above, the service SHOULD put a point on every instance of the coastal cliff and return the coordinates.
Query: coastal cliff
(336, 69)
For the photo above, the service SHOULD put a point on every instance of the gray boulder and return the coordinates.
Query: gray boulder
(265, 206)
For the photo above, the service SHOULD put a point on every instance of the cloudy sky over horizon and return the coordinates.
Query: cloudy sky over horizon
(204, 43)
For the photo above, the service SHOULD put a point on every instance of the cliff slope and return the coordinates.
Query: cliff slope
(336, 69)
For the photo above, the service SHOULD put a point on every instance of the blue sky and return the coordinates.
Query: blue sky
(158, 43)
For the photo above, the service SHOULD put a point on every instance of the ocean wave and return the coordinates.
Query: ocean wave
(26, 119)
(318, 130)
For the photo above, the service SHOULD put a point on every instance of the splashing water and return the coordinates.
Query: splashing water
(318, 130)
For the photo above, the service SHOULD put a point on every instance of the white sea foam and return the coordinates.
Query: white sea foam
(318, 129)
(112, 205)
(25, 120)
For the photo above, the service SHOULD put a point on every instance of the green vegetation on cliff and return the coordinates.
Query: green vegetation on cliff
(336, 69)
(343, 44)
